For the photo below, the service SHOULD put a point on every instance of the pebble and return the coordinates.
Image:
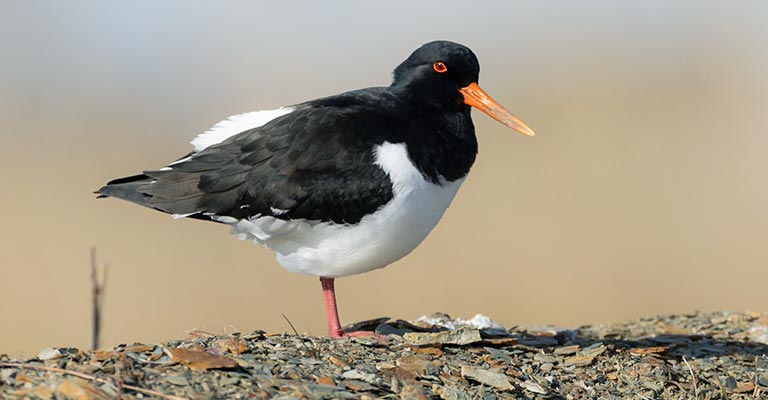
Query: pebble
(486, 377)
(176, 380)
(49, 353)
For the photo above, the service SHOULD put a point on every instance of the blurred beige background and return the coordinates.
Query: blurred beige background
(644, 192)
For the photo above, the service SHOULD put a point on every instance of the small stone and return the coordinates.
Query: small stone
(585, 356)
(542, 330)
(355, 374)
(745, 387)
(399, 374)
(6, 375)
(643, 351)
(200, 360)
(103, 355)
(566, 350)
(229, 380)
(255, 335)
(501, 341)
(338, 362)
(74, 389)
(450, 393)
(49, 353)
(358, 386)
(325, 380)
(652, 385)
(490, 378)
(417, 365)
(384, 365)
(758, 334)
(499, 354)
(459, 337)
(138, 348)
(533, 387)
(176, 380)
(544, 358)
(433, 351)
(593, 350)
(579, 361)
(763, 379)
(234, 345)
(412, 392)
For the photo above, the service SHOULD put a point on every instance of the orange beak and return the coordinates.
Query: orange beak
(476, 97)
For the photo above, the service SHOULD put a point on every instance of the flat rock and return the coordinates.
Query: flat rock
(533, 387)
(416, 364)
(490, 378)
(176, 380)
(458, 337)
(49, 353)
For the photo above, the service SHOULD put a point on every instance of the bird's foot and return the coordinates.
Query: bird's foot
(343, 335)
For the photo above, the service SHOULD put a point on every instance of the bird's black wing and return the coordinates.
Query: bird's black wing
(316, 163)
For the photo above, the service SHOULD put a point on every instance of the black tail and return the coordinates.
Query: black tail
(127, 189)
(133, 188)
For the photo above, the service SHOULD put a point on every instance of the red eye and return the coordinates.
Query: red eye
(439, 67)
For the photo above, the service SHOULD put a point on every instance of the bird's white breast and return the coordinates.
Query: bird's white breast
(333, 250)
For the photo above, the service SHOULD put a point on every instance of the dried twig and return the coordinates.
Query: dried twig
(311, 352)
(293, 328)
(695, 388)
(87, 377)
(97, 299)
(119, 378)
(756, 392)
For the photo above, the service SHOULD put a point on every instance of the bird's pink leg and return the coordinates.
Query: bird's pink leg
(334, 326)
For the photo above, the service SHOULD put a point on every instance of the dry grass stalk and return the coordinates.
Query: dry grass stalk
(97, 299)
(695, 388)
(312, 352)
(756, 392)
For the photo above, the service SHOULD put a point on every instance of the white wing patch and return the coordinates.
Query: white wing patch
(228, 128)
(236, 124)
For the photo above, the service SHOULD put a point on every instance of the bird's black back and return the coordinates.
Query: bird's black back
(317, 162)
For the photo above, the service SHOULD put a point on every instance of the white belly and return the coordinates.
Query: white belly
(335, 250)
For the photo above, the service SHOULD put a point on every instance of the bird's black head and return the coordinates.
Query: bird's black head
(443, 75)
(436, 71)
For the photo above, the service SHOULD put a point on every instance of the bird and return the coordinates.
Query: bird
(340, 185)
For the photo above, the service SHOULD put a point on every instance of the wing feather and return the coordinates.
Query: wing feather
(314, 163)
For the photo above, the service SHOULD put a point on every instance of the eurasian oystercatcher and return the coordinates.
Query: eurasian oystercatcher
(339, 185)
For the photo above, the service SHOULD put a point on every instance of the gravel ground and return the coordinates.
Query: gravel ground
(696, 356)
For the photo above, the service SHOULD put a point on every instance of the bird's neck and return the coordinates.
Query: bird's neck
(443, 146)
